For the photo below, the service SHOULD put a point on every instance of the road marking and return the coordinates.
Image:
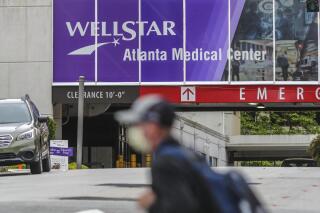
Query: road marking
(91, 211)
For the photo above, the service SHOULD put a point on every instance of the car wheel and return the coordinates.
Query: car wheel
(36, 167)
(46, 164)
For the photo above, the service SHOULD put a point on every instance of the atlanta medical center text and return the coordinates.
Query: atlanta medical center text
(131, 30)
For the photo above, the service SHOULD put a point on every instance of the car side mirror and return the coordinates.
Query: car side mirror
(43, 119)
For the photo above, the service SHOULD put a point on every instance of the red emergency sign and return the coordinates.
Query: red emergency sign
(238, 93)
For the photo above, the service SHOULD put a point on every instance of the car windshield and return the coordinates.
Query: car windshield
(301, 163)
(14, 113)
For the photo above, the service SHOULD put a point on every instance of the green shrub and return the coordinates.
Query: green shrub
(52, 126)
(259, 163)
(314, 149)
(73, 166)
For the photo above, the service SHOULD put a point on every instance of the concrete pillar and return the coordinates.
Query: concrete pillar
(57, 116)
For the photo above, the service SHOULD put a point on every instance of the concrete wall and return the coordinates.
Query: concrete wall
(232, 125)
(227, 123)
(26, 51)
(268, 147)
(258, 141)
(199, 137)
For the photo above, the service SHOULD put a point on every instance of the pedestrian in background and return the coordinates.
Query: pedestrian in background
(182, 182)
(284, 64)
(235, 70)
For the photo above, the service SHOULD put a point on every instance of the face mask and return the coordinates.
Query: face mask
(138, 141)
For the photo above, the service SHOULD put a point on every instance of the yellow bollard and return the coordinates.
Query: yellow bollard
(121, 162)
(133, 161)
(148, 160)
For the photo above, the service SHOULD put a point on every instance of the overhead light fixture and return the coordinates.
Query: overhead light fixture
(253, 104)
(261, 106)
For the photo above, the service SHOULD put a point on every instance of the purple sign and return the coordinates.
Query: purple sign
(67, 37)
(170, 16)
(142, 41)
(67, 152)
(118, 28)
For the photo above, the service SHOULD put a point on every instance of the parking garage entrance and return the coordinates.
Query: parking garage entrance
(105, 141)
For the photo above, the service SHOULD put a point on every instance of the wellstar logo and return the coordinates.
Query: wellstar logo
(126, 31)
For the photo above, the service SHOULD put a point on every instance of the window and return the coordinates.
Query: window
(35, 111)
(253, 61)
(14, 113)
(296, 42)
(213, 162)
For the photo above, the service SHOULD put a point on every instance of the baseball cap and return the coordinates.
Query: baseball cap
(148, 108)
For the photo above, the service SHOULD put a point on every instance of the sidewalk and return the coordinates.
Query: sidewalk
(115, 190)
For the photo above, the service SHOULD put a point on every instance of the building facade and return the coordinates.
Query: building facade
(26, 67)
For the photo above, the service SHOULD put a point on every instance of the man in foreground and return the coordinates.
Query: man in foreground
(181, 181)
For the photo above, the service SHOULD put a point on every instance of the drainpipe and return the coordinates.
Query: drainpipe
(80, 121)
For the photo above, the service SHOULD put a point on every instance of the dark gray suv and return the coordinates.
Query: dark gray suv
(23, 135)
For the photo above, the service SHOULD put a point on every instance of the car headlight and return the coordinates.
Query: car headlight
(26, 135)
